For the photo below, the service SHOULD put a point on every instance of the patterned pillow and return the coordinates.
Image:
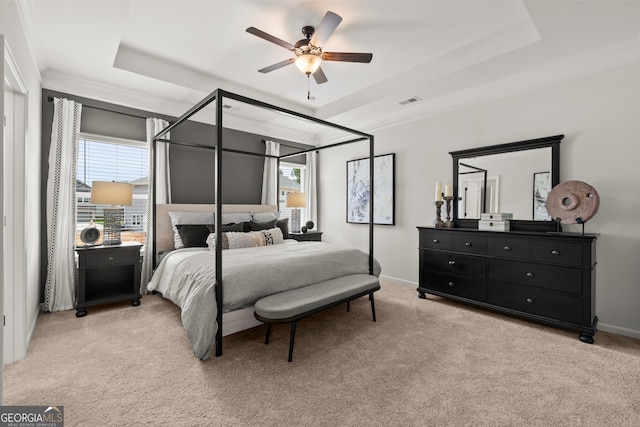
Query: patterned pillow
(237, 240)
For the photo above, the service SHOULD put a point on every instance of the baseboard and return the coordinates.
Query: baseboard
(399, 281)
(618, 330)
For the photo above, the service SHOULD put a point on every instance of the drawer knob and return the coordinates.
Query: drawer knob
(468, 244)
(529, 274)
(452, 262)
(554, 252)
(530, 300)
(110, 258)
(507, 248)
(451, 284)
(436, 241)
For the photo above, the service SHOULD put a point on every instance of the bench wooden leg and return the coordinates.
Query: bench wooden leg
(292, 339)
(373, 308)
(266, 338)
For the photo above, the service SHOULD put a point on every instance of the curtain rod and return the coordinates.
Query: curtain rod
(50, 99)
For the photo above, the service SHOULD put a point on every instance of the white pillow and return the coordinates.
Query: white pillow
(236, 240)
(181, 217)
(265, 216)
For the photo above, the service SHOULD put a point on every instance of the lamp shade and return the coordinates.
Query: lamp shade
(308, 63)
(111, 193)
(296, 200)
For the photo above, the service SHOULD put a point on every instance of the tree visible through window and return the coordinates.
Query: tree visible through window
(103, 159)
(292, 179)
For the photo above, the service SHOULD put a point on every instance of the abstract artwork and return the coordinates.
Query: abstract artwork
(541, 189)
(358, 190)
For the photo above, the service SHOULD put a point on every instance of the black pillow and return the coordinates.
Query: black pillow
(283, 224)
(194, 235)
(257, 226)
(227, 227)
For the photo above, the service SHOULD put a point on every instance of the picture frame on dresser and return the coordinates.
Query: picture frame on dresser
(358, 184)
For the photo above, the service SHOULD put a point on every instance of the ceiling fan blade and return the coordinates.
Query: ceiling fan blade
(277, 65)
(270, 38)
(319, 76)
(326, 27)
(347, 56)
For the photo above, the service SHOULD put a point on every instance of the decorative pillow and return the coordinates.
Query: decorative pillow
(283, 224)
(264, 216)
(235, 217)
(236, 240)
(193, 235)
(226, 227)
(257, 226)
(180, 217)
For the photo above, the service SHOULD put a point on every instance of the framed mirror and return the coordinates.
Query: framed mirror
(508, 178)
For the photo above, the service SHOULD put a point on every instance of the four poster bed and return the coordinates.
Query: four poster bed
(215, 287)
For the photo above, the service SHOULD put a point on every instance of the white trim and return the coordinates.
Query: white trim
(111, 139)
(619, 330)
(398, 281)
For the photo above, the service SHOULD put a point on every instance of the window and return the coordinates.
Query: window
(108, 159)
(292, 179)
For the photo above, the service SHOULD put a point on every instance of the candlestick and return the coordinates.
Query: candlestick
(448, 223)
(448, 191)
(438, 192)
(438, 222)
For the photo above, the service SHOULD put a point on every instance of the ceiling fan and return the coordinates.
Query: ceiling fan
(308, 51)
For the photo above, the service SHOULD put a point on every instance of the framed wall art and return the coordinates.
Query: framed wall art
(358, 195)
(541, 189)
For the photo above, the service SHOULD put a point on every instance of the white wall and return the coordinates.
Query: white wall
(600, 118)
(10, 26)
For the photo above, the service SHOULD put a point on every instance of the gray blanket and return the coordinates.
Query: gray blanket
(248, 275)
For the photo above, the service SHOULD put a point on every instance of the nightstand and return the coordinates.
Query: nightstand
(107, 274)
(309, 236)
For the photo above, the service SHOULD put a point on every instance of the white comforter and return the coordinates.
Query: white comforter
(187, 278)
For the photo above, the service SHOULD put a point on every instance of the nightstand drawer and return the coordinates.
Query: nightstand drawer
(100, 258)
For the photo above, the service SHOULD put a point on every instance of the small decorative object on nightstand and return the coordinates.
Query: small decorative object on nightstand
(309, 236)
(107, 274)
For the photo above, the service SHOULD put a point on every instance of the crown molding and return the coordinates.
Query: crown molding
(26, 13)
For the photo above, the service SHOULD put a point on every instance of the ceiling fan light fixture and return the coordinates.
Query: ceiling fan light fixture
(308, 63)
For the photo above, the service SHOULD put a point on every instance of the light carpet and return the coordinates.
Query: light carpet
(423, 363)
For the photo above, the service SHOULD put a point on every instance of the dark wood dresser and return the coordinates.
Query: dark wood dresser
(543, 277)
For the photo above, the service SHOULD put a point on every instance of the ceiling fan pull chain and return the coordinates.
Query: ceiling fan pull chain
(309, 87)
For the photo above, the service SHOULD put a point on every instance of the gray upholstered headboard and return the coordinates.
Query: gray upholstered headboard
(164, 231)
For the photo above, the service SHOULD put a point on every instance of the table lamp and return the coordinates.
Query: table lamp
(115, 194)
(296, 201)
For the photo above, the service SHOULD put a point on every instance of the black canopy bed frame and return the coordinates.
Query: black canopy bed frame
(217, 97)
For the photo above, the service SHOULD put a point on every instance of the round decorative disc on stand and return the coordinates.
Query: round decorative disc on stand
(573, 202)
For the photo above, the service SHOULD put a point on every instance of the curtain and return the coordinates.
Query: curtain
(60, 284)
(270, 174)
(163, 192)
(311, 187)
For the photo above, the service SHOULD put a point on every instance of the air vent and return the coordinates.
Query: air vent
(411, 100)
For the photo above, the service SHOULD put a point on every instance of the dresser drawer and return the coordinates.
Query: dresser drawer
(565, 308)
(453, 263)
(564, 279)
(557, 252)
(465, 287)
(104, 258)
(508, 247)
(469, 243)
(432, 239)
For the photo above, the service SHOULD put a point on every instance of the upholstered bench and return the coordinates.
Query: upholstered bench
(291, 306)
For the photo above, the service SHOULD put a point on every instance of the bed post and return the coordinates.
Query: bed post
(218, 220)
(371, 201)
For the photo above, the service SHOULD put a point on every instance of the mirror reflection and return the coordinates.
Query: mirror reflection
(513, 182)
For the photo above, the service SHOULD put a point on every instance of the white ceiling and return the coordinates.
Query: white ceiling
(448, 53)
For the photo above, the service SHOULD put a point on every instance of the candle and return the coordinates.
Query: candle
(438, 191)
(448, 191)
